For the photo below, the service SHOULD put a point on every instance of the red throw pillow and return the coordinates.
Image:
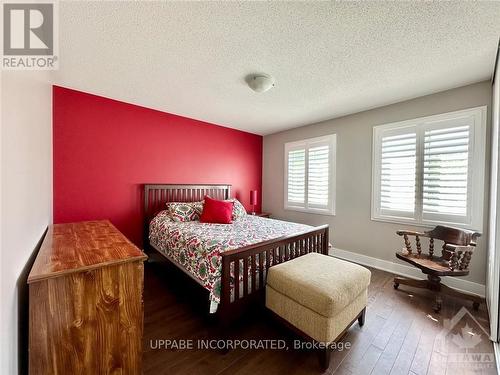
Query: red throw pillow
(216, 211)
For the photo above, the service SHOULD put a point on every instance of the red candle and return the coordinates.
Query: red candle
(253, 197)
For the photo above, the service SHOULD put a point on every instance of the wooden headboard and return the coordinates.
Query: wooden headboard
(157, 195)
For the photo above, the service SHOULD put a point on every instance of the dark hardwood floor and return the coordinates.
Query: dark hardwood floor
(402, 335)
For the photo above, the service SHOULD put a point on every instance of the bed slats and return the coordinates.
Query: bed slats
(156, 196)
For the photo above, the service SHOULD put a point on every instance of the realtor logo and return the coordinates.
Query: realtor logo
(463, 349)
(29, 36)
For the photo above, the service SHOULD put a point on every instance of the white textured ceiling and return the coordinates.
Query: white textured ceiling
(328, 58)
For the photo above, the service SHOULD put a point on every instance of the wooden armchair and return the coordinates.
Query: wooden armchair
(458, 247)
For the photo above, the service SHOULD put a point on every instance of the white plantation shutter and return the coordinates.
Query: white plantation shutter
(430, 170)
(397, 176)
(296, 176)
(309, 177)
(446, 165)
(318, 176)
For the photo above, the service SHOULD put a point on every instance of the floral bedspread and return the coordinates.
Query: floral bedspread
(197, 246)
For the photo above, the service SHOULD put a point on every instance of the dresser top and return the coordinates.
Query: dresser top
(78, 247)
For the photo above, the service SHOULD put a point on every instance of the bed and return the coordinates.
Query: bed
(229, 260)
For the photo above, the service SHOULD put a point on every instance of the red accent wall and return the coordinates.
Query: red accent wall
(105, 149)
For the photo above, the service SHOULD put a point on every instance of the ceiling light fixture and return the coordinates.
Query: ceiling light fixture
(260, 82)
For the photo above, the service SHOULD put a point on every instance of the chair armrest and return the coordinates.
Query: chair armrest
(410, 233)
(455, 248)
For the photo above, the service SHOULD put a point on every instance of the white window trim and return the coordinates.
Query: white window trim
(476, 172)
(306, 143)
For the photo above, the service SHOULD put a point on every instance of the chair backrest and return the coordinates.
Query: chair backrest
(455, 236)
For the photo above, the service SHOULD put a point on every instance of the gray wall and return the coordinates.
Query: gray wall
(351, 228)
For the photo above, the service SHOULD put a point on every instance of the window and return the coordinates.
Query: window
(430, 170)
(310, 175)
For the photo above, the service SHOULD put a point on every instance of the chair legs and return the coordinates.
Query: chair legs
(410, 282)
(434, 283)
(476, 300)
(431, 283)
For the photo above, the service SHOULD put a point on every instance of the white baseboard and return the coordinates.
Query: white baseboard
(406, 271)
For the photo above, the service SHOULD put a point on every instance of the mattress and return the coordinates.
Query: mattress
(196, 246)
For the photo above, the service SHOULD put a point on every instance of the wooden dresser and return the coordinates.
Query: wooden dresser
(85, 302)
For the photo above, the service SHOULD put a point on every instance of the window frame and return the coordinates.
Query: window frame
(476, 170)
(306, 144)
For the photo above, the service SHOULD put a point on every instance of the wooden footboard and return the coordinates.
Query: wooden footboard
(248, 266)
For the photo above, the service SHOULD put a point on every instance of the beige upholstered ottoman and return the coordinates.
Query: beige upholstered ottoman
(319, 295)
